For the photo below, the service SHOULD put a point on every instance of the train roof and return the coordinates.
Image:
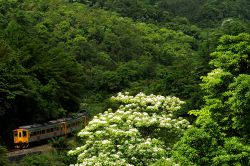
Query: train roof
(54, 122)
(30, 126)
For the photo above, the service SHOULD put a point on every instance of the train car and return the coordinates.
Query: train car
(25, 135)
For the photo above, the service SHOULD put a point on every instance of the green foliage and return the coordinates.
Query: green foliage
(118, 53)
(186, 8)
(59, 143)
(199, 145)
(33, 75)
(205, 13)
(234, 153)
(133, 134)
(239, 102)
(222, 132)
(164, 162)
(223, 84)
(11, 74)
(234, 26)
(140, 9)
(231, 58)
(3, 157)
(56, 54)
(216, 82)
(212, 12)
(65, 52)
(195, 147)
(45, 159)
(61, 146)
(232, 54)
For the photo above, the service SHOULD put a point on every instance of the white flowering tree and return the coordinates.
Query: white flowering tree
(133, 134)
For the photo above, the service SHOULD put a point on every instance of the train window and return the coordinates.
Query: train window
(51, 129)
(20, 134)
(48, 130)
(24, 133)
(43, 131)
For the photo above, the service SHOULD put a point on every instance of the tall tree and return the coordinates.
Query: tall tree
(221, 135)
(139, 132)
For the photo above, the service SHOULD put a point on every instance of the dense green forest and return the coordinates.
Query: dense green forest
(59, 57)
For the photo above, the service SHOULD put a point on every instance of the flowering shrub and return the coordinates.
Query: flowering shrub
(131, 134)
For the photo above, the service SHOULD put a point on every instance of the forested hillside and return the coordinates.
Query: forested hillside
(59, 57)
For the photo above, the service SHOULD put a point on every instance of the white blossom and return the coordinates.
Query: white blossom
(112, 136)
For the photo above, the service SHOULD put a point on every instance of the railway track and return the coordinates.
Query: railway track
(15, 155)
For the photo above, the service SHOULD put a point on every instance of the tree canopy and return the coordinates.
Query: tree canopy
(58, 57)
(221, 134)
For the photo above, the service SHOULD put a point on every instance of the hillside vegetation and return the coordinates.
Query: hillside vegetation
(59, 57)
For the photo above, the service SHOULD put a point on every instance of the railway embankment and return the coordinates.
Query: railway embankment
(17, 155)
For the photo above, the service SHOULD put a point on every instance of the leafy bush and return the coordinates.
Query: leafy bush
(46, 159)
(3, 156)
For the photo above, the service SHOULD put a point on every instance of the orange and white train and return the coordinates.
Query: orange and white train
(25, 135)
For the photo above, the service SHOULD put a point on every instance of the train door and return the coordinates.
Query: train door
(17, 136)
(25, 135)
(63, 128)
(85, 121)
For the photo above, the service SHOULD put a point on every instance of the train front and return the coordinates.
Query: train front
(21, 138)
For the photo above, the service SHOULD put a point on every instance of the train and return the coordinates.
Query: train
(25, 135)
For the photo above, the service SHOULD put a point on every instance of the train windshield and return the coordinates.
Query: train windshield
(24, 133)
